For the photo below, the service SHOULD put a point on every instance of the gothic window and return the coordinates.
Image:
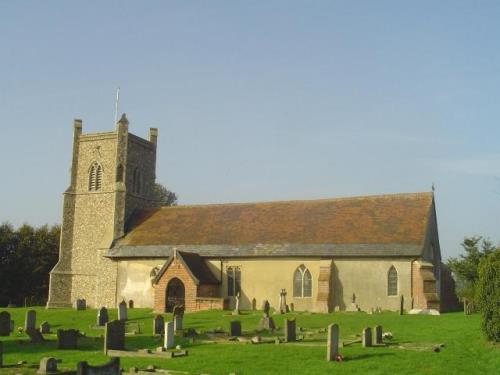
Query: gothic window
(137, 181)
(392, 282)
(233, 281)
(302, 282)
(95, 177)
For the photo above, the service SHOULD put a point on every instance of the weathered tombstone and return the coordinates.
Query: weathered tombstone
(4, 323)
(110, 368)
(353, 306)
(30, 321)
(292, 307)
(131, 304)
(158, 325)
(67, 338)
(169, 335)
(34, 335)
(282, 304)
(236, 310)
(266, 322)
(290, 330)
(1, 354)
(47, 365)
(401, 305)
(266, 308)
(178, 323)
(366, 338)
(114, 336)
(254, 304)
(122, 310)
(80, 304)
(44, 327)
(235, 328)
(102, 317)
(332, 347)
(378, 335)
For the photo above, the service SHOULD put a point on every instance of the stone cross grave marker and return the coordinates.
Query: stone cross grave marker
(4, 323)
(102, 317)
(378, 335)
(114, 336)
(80, 304)
(266, 322)
(47, 365)
(44, 327)
(282, 304)
(122, 311)
(30, 321)
(332, 347)
(366, 337)
(235, 328)
(158, 325)
(290, 330)
(110, 368)
(169, 335)
(67, 338)
(236, 310)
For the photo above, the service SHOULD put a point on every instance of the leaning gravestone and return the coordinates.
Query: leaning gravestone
(80, 304)
(102, 317)
(30, 321)
(35, 336)
(266, 322)
(110, 368)
(378, 335)
(332, 348)
(366, 337)
(67, 338)
(169, 335)
(114, 336)
(122, 311)
(44, 327)
(48, 365)
(290, 330)
(4, 323)
(158, 325)
(235, 328)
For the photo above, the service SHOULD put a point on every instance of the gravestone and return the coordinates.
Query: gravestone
(378, 335)
(158, 325)
(236, 310)
(282, 302)
(34, 335)
(30, 320)
(169, 335)
(4, 323)
(12, 326)
(266, 322)
(292, 307)
(44, 327)
(178, 323)
(401, 305)
(254, 304)
(353, 306)
(131, 304)
(110, 368)
(290, 330)
(332, 347)
(1, 354)
(122, 311)
(67, 338)
(102, 317)
(80, 304)
(114, 336)
(366, 338)
(235, 328)
(48, 365)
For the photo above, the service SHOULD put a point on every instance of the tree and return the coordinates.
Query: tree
(164, 196)
(488, 294)
(466, 266)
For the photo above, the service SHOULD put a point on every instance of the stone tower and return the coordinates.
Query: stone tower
(112, 174)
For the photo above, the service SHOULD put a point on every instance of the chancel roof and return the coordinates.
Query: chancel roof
(382, 221)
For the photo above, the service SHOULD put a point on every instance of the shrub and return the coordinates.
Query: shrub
(488, 294)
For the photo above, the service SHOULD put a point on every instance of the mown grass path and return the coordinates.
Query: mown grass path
(465, 351)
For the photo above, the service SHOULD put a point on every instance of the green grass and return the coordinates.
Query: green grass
(465, 349)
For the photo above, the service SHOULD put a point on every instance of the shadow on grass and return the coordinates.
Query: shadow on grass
(367, 355)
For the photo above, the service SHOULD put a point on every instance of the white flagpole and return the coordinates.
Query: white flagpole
(116, 104)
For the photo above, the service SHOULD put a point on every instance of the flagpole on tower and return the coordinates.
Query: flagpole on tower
(116, 104)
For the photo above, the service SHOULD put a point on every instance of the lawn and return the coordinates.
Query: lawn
(465, 349)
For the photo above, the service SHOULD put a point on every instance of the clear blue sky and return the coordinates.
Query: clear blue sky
(266, 100)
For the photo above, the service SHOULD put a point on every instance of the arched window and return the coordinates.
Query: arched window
(95, 177)
(137, 181)
(233, 281)
(392, 282)
(302, 282)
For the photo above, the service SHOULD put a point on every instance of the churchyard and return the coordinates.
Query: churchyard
(449, 343)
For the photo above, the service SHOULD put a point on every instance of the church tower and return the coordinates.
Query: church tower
(112, 174)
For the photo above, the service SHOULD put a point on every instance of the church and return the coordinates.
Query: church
(118, 243)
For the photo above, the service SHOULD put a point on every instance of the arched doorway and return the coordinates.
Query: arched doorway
(174, 294)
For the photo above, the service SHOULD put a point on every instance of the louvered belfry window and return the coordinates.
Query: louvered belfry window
(95, 177)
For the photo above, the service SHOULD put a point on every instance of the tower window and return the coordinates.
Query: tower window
(95, 177)
(392, 282)
(137, 182)
(302, 282)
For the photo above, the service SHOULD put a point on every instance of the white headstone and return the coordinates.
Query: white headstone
(169, 335)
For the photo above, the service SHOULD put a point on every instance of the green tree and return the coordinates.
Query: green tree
(488, 294)
(164, 196)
